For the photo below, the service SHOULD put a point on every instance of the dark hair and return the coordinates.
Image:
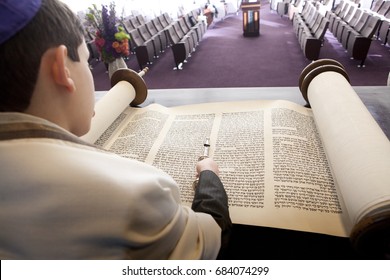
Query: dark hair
(53, 25)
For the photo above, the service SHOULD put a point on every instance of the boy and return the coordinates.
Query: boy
(63, 199)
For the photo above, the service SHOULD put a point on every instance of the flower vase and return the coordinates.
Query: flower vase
(118, 63)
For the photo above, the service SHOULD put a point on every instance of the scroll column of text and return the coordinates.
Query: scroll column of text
(240, 155)
(181, 148)
(139, 135)
(303, 178)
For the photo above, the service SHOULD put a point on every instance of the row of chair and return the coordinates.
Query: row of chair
(147, 40)
(354, 28)
(150, 39)
(184, 35)
(381, 8)
(289, 7)
(310, 27)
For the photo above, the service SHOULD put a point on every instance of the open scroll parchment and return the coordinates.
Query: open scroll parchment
(283, 165)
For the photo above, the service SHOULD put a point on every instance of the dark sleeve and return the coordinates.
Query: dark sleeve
(210, 197)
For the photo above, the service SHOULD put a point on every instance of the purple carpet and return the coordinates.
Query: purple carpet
(225, 58)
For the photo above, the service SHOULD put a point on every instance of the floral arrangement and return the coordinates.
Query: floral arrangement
(111, 40)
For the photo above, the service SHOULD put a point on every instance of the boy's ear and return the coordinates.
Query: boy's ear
(60, 71)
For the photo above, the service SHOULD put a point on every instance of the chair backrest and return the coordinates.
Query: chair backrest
(136, 38)
(157, 24)
(317, 24)
(126, 24)
(305, 9)
(144, 32)
(140, 19)
(134, 22)
(151, 28)
(344, 10)
(338, 8)
(310, 22)
(384, 8)
(194, 14)
(163, 21)
(167, 18)
(355, 18)
(178, 29)
(172, 35)
(362, 21)
(187, 20)
(348, 15)
(308, 12)
(369, 29)
(376, 5)
(183, 25)
(321, 30)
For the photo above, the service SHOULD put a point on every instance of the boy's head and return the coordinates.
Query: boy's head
(40, 40)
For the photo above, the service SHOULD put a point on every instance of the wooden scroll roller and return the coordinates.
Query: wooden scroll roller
(135, 79)
(358, 152)
(128, 87)
(315, 68)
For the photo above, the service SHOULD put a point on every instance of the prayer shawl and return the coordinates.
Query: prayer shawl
(61, 198)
